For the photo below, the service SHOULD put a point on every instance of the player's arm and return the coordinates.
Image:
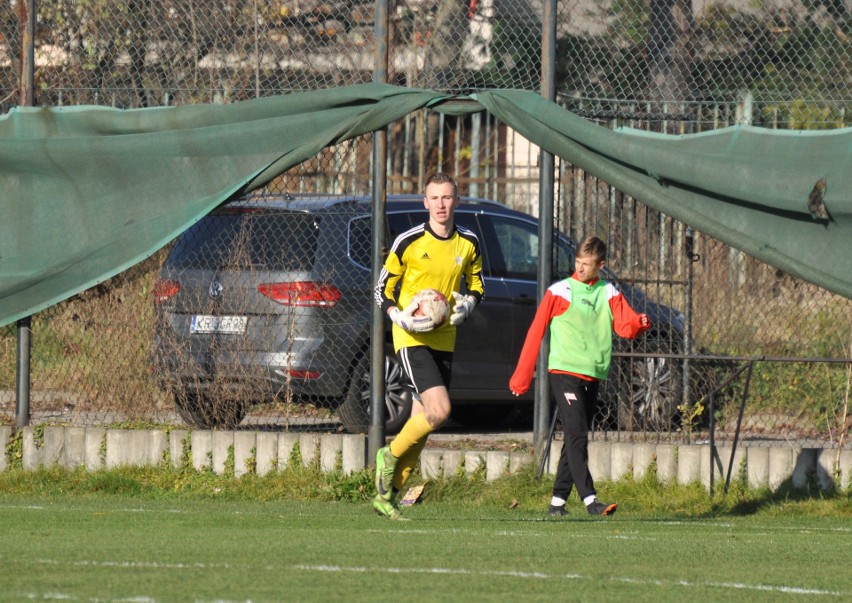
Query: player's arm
(550, 306)
(473, 278)
(626, 322)
(463, 305)
(392, 272)
(388, 278)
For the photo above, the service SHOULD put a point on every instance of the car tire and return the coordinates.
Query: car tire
(650, 389)
(354, 412)
(204, 412)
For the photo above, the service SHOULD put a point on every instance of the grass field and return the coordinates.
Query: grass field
(142, 548)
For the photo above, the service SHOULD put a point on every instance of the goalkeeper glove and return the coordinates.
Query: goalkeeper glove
(406, 320)
(463, 308)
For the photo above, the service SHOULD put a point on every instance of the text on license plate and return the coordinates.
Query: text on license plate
(202, 323)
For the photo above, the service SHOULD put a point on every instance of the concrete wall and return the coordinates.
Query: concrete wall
(242, 452)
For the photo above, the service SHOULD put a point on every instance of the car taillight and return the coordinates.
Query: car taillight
(304, 374)
(164, 290)
(301, 293)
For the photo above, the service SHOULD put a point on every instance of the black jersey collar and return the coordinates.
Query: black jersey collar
(437, 236)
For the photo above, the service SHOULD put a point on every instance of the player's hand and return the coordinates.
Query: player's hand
(463, 308)
(519, 383)
(406, 320)
(644, 321)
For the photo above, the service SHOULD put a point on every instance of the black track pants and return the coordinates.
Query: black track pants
(576, 401)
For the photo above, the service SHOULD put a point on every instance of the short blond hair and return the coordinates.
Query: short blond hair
(592, 246)
(442, 178)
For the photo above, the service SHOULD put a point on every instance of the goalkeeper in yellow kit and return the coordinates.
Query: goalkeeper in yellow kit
(435, 254)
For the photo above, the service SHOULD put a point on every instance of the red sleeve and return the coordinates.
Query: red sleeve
(550, 306)
(625, 321)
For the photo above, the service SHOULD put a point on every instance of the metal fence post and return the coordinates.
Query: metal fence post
(690, 258)
(541, 415)
(376, 437)
(22, 365)
(22, 374)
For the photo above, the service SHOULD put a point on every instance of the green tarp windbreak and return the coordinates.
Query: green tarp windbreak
(89, 191)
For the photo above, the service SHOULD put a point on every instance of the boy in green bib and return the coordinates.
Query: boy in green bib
(582, 312)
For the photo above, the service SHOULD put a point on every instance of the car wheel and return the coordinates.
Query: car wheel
(203, 412)
(354, 412)
(650, 391)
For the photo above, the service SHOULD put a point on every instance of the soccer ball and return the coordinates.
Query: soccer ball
(434, 304)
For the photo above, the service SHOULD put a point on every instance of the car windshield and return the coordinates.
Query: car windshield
(249, 238)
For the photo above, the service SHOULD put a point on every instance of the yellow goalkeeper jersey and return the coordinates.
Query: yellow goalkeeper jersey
(418, 259)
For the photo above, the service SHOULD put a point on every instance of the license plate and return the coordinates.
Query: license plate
(202, 323)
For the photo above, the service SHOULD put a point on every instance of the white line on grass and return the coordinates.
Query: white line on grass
(54, 596)
(71, 509)
(815, 529)
(429, 570)
(781, 588)
(703, 524)
(421, 531)
(30, 507)
(540, 575)
(134, 564)
(745, 526)
(796, 590)
(625, 537)
(516, 534)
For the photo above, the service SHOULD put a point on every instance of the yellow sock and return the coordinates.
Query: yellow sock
(407, 463)
(415, 429)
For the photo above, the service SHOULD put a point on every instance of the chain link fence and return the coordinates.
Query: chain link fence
(682, 66)
(787, 61)
(736, 311)
(128, 350)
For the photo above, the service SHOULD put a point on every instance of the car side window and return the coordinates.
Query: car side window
(518, 244)
(470, 221)
(360, 233)
(564, 259)
(360, 241)
(397, 223)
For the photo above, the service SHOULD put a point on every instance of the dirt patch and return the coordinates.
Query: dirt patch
(503, 442)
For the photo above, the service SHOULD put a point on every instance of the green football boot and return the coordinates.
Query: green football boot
(385, 466)
(387, 508)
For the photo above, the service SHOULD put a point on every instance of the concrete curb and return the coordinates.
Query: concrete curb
(5, 434)
(248, 452)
